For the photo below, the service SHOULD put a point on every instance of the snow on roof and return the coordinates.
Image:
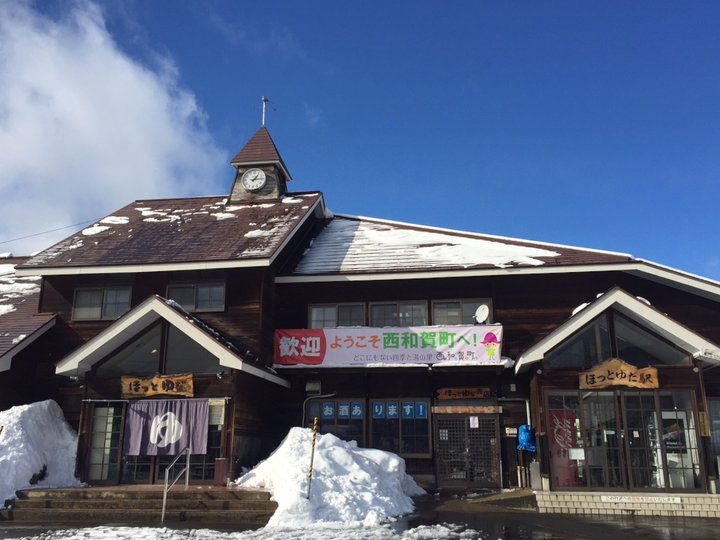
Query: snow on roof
(357, 245)
(176, 231)
(18, 308)
(350, 485)
(36, 436)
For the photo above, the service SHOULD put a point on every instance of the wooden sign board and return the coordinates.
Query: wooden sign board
(450, 409)
(464, 393)
(159, 385)
(615, 372)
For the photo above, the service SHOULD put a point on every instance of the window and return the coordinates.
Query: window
(198, 297)
(149, 353)
(457, 311)
(401, 426)
(140, 356)
(334, 315)
(100, 303)
(344, 418)
(714, 415)
(398, 314)
(612, 335)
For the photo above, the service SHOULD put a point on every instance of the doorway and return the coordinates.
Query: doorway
(107, 463)
(467, 450)
(624, 440)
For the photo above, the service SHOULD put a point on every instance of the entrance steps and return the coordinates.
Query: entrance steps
(239, 508)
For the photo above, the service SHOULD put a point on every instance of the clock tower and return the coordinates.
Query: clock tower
(260, 171)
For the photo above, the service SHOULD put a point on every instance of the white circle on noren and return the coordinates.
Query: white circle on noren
(165, 430)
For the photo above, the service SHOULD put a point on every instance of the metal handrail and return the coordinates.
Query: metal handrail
(185, 471)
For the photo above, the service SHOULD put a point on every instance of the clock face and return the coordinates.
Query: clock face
(253, 179)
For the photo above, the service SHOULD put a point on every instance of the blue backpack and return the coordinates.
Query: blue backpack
(526, 438)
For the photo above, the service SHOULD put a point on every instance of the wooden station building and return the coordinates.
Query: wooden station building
(431, 343)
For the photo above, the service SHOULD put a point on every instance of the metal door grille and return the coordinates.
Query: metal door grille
(467, 450)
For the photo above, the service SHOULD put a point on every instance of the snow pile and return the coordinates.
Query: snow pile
(36, 438)
(350, 485)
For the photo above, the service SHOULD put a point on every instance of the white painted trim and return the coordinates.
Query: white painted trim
(674, 278)
(7, 358)
(635, 310)
(140, 268)
(139, 318)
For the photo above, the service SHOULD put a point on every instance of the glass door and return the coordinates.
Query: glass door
(106, 442)
(624, 439)
(642, 439)
(603, 435)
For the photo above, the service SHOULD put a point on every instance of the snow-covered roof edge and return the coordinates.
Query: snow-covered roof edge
(481, 236)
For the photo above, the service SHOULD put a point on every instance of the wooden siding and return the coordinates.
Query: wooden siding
(529, 307)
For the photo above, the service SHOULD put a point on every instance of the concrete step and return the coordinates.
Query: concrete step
(118, 515)
(175, 493)
(126, 504)
(147, 504)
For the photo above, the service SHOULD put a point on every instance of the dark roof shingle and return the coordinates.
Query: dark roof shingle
(18, 306)
(260, 149)
(176, 231)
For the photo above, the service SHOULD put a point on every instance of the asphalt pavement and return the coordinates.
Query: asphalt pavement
(496, 517)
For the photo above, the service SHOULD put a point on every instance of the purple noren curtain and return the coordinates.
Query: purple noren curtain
(155, 427)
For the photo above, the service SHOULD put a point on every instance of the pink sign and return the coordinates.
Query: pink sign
(362, 346)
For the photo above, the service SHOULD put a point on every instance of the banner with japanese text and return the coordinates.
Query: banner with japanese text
(364, 346)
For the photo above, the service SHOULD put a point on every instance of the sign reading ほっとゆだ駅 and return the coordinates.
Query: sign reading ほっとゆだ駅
(362, 346)
(615, 372)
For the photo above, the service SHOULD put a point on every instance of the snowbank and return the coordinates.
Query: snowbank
(350, 485)
(34, 437)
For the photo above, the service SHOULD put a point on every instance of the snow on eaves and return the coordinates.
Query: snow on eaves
(357, 245)
(15, 289)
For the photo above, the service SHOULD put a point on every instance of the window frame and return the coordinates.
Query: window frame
(397, 304)
(478, 301)
(337, 422)
(399, 400)
(337, 306)
(195, 285)
(103, 289)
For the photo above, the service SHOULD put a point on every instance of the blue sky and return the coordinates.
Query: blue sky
(595, 124)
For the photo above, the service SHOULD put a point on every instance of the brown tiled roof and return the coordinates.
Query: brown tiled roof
(176, 231)
(260, 149)
(351, 245)
(19, 296)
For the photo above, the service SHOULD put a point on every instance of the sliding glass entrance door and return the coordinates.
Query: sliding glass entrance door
(624, 439)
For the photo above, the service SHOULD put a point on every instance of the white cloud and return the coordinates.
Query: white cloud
(312, 115)
(85, 129)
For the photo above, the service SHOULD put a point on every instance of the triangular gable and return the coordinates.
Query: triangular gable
(22, 340)
(260, 149)
(635, 310)
(154, 308)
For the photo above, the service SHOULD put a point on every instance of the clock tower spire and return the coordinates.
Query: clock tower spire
(261, 173)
